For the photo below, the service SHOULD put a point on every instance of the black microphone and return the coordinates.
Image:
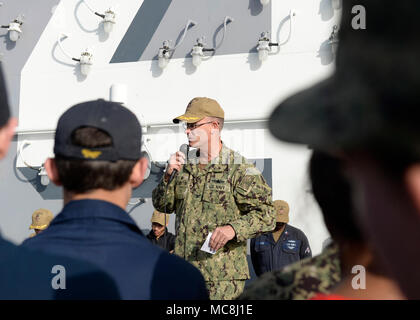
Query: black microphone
(184, 149)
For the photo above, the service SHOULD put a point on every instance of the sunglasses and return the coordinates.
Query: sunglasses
(192, 126)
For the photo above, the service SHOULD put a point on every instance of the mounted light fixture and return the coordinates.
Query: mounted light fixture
(265, 44)
(265, 2)
(109, 20)
(42, 173)
(198, 49)
(164, 54)
(45, 181)
(333, 40)
(108, 17)
(85, 60)
(14, 28)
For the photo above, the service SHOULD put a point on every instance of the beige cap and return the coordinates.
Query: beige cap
(199, 108)
(159, 217)
(41, 219)
(282, 211)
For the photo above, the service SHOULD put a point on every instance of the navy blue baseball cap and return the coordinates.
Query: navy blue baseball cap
(120, 123)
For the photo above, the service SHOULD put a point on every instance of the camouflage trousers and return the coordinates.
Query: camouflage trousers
(225, 290)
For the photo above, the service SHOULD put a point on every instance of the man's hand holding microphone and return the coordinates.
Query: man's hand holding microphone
(221, 235)
(176, 161)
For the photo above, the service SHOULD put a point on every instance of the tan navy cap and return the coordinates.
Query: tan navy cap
(282, 211)
(41, 219)
(159, 217)
(199, 108)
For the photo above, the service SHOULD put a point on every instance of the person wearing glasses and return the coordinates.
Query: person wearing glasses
(218, 195)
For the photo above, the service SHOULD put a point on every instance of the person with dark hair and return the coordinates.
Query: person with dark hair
(367, 113)
(159, 235)
(331, 271)
(30, 275)
(332, 191)
(98, 162)
(362, 275)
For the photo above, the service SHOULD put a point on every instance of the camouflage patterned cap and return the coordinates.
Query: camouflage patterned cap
(199, 108)
(41, 219)
(159, 217)
(282, 211)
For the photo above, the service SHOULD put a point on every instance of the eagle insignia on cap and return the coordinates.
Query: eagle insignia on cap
(188, 118)
(89, 154)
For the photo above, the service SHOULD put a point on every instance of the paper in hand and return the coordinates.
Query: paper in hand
(206, 247)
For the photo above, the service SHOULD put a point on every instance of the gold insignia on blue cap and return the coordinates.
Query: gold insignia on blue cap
(89, 154)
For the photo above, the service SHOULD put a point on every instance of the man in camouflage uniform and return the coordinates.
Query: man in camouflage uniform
(218, 192)
(301, 280)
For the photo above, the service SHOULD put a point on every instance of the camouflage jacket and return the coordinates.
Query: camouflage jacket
(228, 191)
(299, 281)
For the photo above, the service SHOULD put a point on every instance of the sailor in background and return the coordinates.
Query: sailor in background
(284, 245)
(41, 219)
(159, 235)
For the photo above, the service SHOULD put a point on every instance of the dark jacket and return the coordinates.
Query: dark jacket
(166, 241)
(105, 235)
(27, 275)
(268, 255)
